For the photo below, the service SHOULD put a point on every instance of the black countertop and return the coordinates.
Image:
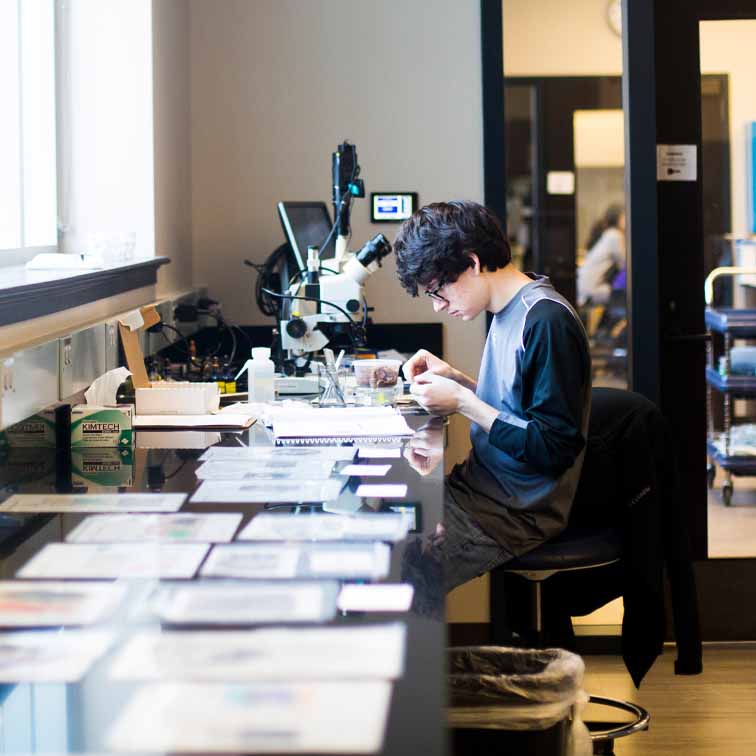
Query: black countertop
(76, 717)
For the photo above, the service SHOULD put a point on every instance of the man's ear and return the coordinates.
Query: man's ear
(475, 267)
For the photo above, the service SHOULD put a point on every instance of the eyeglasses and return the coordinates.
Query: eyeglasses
(434, 294)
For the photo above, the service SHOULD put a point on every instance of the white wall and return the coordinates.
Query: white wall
(172, 137)
(276, 85)
(557, 38)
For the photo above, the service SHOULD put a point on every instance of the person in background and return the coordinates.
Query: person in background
(529, 403)
(604, 259)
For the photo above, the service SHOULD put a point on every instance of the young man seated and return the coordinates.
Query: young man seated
(529, 405)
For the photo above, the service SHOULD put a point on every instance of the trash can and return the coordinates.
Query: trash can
(516, 701)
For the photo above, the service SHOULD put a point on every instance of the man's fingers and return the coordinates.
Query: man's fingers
(425, 377)
(415, 364)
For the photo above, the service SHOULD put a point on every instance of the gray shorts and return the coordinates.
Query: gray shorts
(465, 550)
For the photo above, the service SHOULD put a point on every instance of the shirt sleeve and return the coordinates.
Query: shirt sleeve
(555, 377)
(616, 242)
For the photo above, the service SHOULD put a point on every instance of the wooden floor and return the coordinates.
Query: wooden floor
(732, 530)
(712, 714)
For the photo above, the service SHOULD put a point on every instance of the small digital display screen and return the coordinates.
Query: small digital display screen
(392, 207)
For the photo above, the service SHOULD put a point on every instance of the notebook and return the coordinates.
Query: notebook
(342, 424)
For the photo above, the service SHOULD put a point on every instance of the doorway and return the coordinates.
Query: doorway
(665, 50)
(564, 143)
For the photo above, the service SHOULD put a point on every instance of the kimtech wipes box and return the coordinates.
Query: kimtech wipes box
(93, 426)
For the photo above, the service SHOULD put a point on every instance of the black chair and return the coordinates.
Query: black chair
(626, 526)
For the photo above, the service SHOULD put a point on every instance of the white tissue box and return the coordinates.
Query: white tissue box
(179, 398)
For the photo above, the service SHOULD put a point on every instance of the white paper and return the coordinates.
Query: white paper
(367, 471)
(331, 653)
(132, 320)
(176, 439)
(104, 389)
(383, 490)
(112, 561)
(49, 604)
(349, 422)
(225, 420)
(246, 603)
(377, 452)
(378, 597)
(125, 502)
(50, 656)
(274, 468)
(325, 527)
(174, 528)
(316, 717)
(271, 491)
(303, 454)
(260, 561)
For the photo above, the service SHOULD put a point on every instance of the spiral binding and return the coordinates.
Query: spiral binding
(339, 440)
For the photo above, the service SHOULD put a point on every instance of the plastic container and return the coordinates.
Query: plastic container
(376, 374)
(513, 700)
(376, 381)
(260, 375)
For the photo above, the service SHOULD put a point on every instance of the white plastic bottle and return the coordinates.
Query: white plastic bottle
(260, 376)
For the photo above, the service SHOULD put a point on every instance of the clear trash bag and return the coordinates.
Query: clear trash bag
(497, 687)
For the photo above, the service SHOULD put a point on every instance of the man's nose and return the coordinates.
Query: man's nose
(439, 305)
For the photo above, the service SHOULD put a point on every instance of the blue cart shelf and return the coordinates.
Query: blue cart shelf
(729, 324)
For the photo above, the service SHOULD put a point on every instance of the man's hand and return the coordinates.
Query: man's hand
(423, 362)
(437, 394)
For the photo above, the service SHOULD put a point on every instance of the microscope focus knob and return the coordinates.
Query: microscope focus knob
(296, 328)
(353, 305)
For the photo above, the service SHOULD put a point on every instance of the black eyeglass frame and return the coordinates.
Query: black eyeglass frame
(433, 293)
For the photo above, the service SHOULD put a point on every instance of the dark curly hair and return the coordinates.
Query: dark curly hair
(433, 245)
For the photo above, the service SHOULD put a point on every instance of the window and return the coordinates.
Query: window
(28, 190)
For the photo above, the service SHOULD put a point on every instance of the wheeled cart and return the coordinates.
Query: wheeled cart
(728, 324)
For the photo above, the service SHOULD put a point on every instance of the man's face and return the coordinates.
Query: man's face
(466, 298)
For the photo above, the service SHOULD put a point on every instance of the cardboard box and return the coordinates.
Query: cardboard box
(36, 431)
(93, 426)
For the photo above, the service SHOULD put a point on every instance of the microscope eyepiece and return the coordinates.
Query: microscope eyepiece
(374, 250)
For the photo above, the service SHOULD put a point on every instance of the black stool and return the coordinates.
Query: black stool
(574, 549)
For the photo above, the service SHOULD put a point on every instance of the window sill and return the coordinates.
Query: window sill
(27, 294)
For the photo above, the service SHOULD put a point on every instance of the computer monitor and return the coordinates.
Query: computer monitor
(306, 224)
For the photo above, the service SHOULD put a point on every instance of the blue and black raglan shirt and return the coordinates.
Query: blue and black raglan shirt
(521, 476)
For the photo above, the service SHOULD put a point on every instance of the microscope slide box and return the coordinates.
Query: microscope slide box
(179, 398)
(307, 384)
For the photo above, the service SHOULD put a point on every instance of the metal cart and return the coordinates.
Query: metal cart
(729, 324)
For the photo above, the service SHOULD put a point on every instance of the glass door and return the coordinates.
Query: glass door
(728, 116)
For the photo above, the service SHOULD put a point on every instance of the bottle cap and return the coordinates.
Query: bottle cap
(261, 353)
